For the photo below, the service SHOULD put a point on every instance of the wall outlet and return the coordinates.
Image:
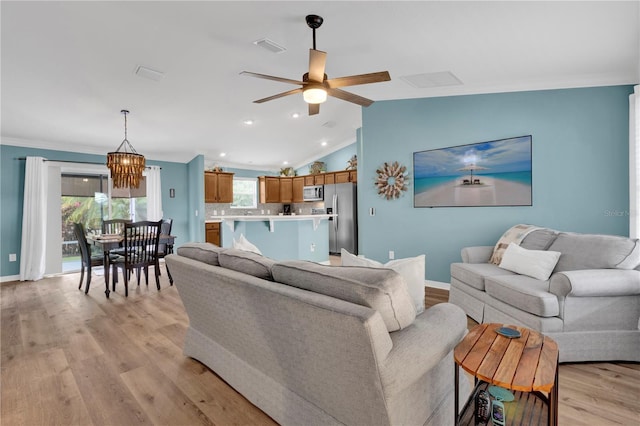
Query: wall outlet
(12, 257)
(313, 247)
(392, 255)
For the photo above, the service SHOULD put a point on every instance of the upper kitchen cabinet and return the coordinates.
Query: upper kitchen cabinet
(218, 187)
(269, 189)
(298, 184)
(286, 189)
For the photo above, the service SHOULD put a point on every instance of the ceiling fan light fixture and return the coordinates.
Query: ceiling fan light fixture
(314, 95)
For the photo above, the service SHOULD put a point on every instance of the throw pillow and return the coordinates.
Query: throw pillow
(244, 244)
(515, 234)
(533, 263)
(411, 269)
(380, 289)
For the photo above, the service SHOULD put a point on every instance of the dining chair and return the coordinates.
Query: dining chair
(87, 260)
(140, 246)
(114, 226)
(164, 248)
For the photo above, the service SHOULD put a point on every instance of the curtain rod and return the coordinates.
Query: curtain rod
(73, 162)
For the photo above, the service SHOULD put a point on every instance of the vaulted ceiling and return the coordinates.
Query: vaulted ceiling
(68, 68)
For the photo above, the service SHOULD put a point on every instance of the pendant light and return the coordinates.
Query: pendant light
(125, 164)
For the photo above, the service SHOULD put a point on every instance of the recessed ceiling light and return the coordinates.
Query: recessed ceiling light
(295, 115)
(222, 154)
(323, 143)
(248, 122)
(285, 162)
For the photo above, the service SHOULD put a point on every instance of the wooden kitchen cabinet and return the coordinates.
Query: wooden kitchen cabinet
(309, 180)
(269, 189)
(297, 183)
(212, 233)
(286, 189)
(218, 187)
(342, 177)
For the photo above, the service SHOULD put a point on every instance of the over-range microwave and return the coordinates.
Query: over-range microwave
(313, 193)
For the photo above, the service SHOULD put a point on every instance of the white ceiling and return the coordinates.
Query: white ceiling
(68, 68)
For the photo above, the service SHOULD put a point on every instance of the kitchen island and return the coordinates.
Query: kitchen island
(280, 237)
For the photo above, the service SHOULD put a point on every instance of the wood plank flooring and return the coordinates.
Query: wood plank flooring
(73, 359)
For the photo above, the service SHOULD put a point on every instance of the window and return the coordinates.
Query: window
(245, 193)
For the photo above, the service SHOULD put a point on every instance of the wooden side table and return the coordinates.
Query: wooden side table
(527, 365)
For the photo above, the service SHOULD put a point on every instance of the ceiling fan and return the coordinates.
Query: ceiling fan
(315, 85)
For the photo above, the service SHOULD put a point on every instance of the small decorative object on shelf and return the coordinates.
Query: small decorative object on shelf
(317, 167)
(392, 180)
(287, 171)
(215, 169)
(352, 164)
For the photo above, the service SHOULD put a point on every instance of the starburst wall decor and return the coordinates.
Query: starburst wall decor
(392, 180)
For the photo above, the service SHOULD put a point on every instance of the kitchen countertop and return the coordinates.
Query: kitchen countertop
(230, 219)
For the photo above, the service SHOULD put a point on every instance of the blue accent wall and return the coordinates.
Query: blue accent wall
(337, 160)
(580, 168)
(196, 210)
(173, 175)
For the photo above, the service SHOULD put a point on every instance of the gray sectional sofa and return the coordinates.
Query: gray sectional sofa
(311, 344)
(590, 304)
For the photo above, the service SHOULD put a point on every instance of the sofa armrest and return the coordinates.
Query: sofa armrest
(478, 254)
(595, 282)
(421, 346)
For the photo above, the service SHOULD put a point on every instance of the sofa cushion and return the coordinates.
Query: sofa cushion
(540, 239)
(473, 274)
(247, 262)
(411, 269)
(203, 252)
(537, 264)
(525, 293)
(381, 289)
(591, 251)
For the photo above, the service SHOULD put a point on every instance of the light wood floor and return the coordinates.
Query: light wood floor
(73, 359)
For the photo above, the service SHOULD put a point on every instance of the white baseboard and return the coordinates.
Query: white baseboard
(9, 278)
(437, 284)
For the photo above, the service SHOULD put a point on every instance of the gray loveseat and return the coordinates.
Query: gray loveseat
(590, 304)
(311, 344)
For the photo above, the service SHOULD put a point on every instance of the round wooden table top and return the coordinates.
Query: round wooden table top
(527, 363)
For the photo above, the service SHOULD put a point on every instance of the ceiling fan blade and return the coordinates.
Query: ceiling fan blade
(314, 109)
(317, 62)
(374, 77)
(270, 77)
(279, 95)
(349, 97)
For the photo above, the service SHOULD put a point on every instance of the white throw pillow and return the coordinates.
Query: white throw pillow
(533, 263)
(244, 244)
(410, 269)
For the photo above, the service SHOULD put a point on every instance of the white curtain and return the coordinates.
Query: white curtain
(154, 193)
(634, 163)
(34, 220)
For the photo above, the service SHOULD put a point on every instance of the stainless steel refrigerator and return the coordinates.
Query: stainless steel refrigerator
(341, 199)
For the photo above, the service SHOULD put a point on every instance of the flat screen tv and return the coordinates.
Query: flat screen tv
(492, 173)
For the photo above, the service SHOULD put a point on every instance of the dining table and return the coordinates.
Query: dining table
(108, 242)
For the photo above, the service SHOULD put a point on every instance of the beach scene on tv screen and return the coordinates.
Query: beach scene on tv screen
(492, 173)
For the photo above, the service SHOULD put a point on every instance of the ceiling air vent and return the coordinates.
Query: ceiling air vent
(432, 79)
(271, 46)
(145, 72)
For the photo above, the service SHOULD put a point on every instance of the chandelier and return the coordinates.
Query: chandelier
(125, 164)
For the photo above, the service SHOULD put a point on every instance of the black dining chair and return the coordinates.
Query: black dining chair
(114, 226)
(87, 260)
(140, 246)
(164, 248)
